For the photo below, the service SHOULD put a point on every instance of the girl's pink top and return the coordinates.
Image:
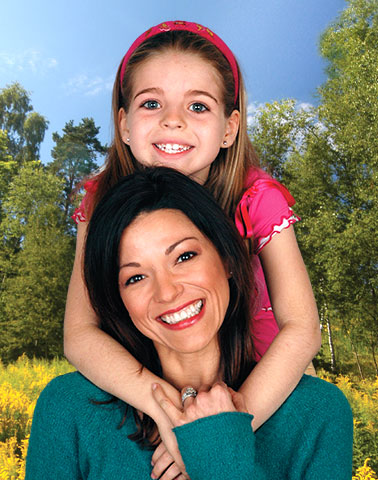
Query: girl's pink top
(264, 211)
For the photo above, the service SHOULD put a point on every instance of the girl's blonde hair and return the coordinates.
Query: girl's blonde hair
(228, 171)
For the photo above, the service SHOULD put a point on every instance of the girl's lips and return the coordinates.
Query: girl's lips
(170, 150)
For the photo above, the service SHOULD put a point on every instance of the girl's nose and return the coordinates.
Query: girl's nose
(167, 288)
(173, 118)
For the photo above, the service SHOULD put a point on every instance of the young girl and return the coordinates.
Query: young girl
(179, 101)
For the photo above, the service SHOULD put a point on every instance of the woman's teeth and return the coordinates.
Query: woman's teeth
(172, 147)
(184, 314)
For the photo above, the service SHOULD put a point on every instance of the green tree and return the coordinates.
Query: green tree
(75, 155)
(328, 158)
(25, 129)
(349, 111)
(39, 262)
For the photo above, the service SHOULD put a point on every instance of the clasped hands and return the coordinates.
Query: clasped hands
(166, 460)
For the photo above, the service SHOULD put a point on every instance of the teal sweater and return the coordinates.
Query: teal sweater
(309, 437)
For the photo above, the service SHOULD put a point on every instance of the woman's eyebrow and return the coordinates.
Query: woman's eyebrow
(131, 264)
(174, 245)
(167, 252)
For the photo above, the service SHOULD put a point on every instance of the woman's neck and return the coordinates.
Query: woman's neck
(190, 369)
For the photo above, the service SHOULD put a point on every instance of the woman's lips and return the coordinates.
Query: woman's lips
(184, 316)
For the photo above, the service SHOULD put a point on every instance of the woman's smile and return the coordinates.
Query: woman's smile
(183, 317)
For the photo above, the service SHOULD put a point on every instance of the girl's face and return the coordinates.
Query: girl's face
(176, 116)
(172, 282)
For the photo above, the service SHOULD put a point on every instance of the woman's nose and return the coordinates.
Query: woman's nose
(167, 288)
(173, 118)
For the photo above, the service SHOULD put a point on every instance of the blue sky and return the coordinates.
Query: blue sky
(66, 53)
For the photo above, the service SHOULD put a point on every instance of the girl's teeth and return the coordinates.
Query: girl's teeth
(183, 314)
(172, 147)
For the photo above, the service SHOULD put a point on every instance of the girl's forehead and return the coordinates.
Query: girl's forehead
(173, 57)
(175, 64)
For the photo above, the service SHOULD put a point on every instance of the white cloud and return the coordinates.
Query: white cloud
(304, 106)
(89, 86)
(252, 112)
(29, 60)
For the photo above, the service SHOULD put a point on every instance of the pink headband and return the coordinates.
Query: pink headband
(189, 27)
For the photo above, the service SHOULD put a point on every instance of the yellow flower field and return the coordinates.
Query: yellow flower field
(22, 381)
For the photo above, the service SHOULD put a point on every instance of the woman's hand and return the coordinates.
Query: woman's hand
(166, 457)
(218, 399)
(162, 461)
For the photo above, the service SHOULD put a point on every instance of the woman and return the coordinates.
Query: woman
(168, 275)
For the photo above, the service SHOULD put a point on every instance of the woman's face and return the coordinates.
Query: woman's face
(173, 282)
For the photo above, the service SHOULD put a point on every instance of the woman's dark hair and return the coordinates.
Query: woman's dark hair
(146, 191)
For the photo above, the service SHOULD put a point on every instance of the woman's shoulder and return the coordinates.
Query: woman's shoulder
(317, 396)
(70, 389)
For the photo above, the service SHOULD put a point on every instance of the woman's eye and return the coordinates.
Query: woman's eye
(198, 107)
(186, 256)
(151, 104)
(134, 279)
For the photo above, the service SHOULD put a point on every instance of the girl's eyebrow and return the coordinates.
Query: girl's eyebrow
(203, 92)
(190, 92)
(149, 90)
(167, 252)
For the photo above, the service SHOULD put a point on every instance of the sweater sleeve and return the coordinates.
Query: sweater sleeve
(52, 452)
(221, 445)
(333, 447)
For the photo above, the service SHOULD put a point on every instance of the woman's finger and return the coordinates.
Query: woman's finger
(159, 451)
(171, 473)
(188, 394)
(165, 404)
(162, 461)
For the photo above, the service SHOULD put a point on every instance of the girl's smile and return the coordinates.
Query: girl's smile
(176, 116)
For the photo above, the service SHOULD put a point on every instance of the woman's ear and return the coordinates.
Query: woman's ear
(227, 269)
(123, 126)
(232, 128)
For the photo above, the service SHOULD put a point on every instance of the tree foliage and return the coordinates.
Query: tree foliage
(37, 266)
(25, 129)
(327, 156)
(75, 155)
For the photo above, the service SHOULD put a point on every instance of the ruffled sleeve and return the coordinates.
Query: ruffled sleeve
(264, 211)
(79, 214)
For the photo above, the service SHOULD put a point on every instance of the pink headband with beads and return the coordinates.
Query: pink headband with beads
(189, 27)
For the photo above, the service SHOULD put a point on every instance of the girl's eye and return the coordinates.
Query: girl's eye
(198, 107)
(151, 105)
(134, 279)
(186, 256)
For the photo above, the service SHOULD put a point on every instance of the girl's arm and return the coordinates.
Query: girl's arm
(280, 369)
(103, 360)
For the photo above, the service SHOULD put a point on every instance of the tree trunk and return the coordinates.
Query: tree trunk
(357, 358)
(374, 358)
(329, 335)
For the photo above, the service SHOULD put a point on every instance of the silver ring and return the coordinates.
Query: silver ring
(189, 392)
